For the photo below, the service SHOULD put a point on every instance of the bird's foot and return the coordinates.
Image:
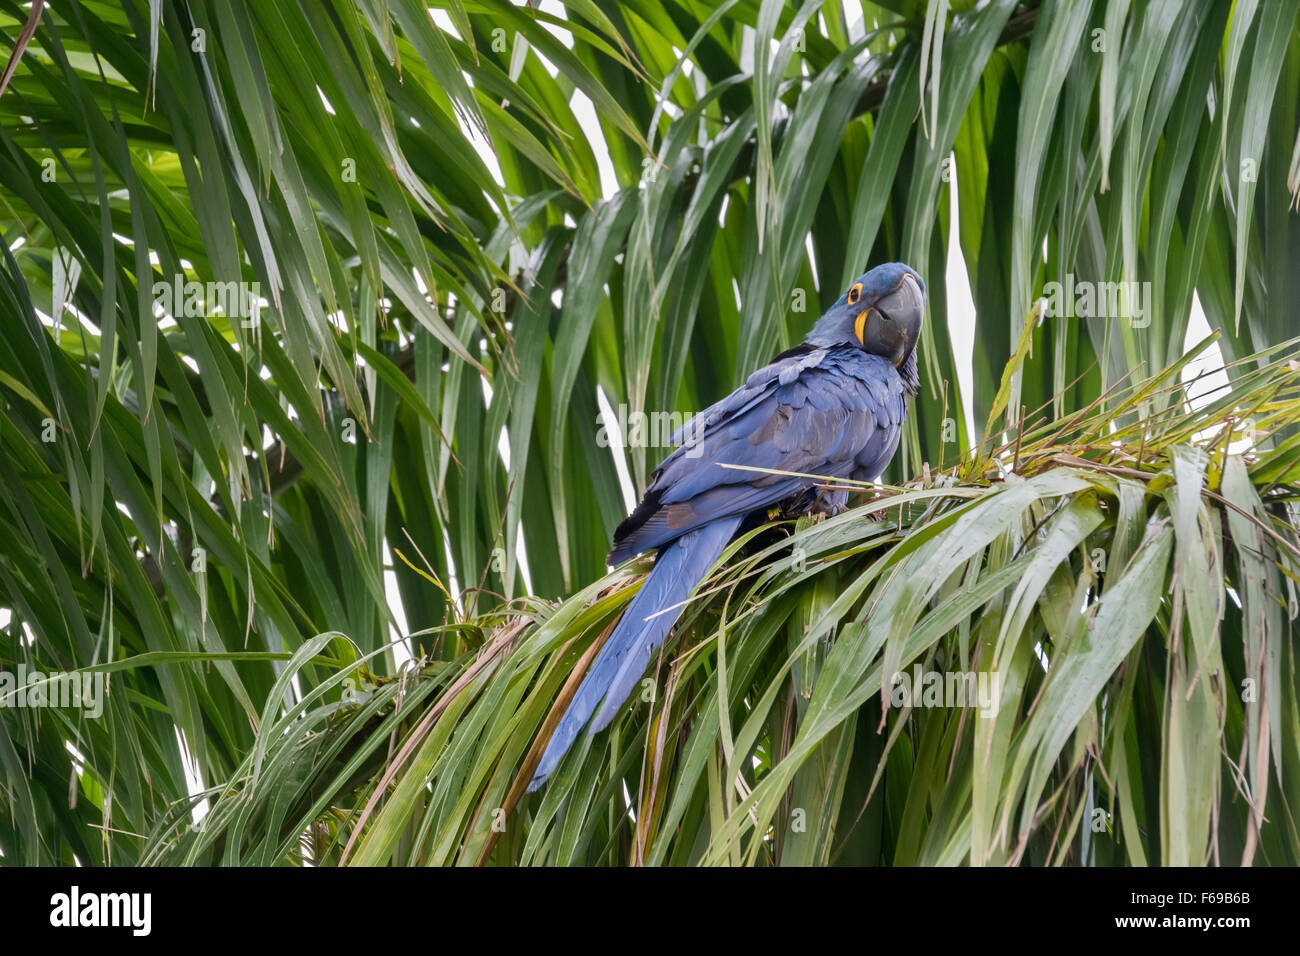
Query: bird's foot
(828, 503)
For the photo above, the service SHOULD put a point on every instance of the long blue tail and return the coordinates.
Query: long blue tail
(626, 655)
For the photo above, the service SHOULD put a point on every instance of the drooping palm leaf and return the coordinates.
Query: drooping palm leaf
(1129, 594)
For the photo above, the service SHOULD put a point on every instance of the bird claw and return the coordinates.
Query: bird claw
(828, 504)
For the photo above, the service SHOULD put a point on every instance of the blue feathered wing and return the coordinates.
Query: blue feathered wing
(833, 412)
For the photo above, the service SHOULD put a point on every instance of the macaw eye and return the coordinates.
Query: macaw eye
(855, 293)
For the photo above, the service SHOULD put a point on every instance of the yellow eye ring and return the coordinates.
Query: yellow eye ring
(855, 293)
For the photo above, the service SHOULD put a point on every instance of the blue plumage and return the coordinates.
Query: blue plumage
(833, 406)
(678, 567)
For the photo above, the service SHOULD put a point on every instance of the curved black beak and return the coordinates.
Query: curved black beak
(893, 321)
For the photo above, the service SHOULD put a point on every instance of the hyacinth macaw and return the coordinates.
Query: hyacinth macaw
(831, 407)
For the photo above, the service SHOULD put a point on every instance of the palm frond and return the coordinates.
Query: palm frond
(1121, 601)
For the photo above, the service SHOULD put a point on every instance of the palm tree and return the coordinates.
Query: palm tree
(308, 313)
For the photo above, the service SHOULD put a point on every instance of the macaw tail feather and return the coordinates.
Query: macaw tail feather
(681, 564)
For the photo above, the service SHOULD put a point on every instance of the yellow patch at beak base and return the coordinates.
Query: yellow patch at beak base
(860, 325)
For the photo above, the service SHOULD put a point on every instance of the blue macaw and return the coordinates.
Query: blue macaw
(832, 407)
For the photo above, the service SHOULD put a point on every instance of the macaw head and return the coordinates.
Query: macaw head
(879, 313)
